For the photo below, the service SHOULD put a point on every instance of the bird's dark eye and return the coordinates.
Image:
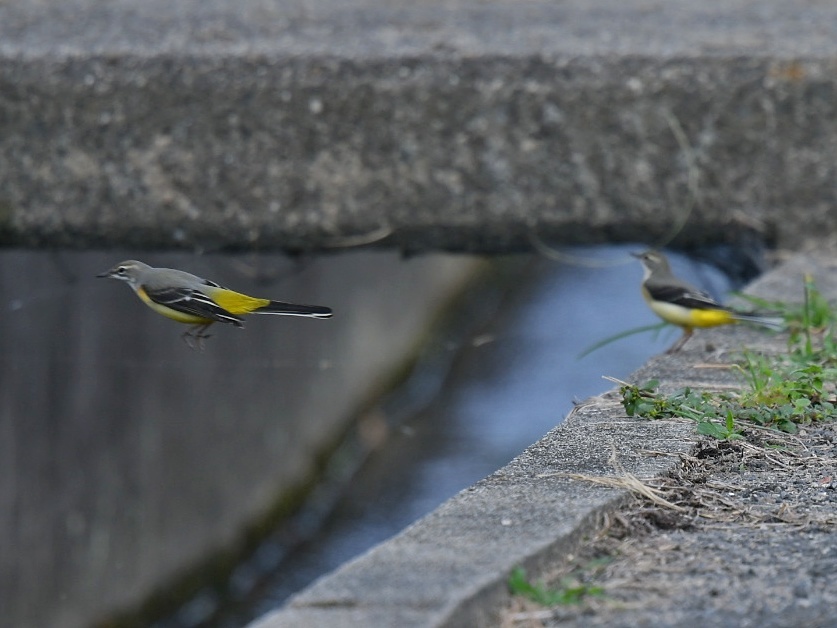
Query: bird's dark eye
(120, 270)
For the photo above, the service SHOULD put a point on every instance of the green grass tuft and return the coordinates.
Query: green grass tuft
(569, 590)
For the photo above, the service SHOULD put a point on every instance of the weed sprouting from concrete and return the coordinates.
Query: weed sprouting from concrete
(570, 590)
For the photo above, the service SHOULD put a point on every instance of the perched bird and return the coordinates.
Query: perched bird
(684, 305)
(186, 298)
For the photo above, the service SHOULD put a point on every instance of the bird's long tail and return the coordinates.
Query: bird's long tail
(773, 322)
(291, 309)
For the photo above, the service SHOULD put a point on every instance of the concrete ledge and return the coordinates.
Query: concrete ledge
(451, 567)
(317, 124)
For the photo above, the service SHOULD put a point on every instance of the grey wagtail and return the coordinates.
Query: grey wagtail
(186, 298)
(684, 305)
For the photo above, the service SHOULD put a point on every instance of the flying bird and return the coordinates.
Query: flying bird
(198, 302)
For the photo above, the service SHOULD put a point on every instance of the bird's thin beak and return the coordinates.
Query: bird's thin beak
(104, 275)
(636, 255)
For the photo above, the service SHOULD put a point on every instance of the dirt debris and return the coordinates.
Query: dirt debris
(749, 538)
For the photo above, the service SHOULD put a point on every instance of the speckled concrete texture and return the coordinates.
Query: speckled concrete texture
(467, 125)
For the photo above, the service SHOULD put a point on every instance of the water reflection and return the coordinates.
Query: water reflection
(126, 457)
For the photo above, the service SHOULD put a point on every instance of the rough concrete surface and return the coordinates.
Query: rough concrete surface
(466, 125)
(451, 567)
(754, 545)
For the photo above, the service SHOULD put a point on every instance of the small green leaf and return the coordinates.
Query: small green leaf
(569, 591)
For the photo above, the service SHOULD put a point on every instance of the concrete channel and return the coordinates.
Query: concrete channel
(451, 568)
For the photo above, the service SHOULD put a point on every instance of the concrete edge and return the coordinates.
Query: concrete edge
(437, 152)
(450, 568)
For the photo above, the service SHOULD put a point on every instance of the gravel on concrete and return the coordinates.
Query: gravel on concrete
(755, 543)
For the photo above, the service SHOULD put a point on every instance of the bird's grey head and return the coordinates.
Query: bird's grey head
(130, 271)
(653, 261)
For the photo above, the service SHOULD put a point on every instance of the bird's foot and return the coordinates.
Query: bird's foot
(194, 337)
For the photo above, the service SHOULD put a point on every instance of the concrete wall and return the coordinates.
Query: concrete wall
(429, 125)
(127, 459)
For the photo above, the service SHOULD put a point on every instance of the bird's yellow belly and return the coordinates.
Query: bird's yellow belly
(685, 317)
(180, 317)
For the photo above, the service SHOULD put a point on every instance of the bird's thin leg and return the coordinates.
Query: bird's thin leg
(189, 338)
(194, 336)
(687, 333)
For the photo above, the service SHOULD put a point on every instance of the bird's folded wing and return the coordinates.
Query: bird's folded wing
(193, 302)
(683, 296)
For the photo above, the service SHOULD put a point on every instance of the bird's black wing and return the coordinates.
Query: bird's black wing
(683, 296)
(193, 302)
